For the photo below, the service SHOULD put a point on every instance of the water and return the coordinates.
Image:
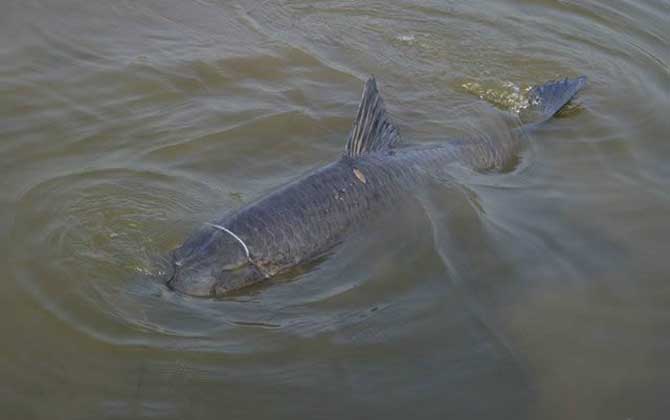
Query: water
(537, 294)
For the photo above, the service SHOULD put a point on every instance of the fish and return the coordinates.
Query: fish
(300, 221)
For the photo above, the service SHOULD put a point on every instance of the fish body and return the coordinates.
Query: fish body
(303, 219)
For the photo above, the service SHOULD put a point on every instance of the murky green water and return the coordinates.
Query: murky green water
(538, 294)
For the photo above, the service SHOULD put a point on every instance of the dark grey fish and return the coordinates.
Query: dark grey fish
(300, 221)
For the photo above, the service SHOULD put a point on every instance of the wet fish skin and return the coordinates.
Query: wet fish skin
(306, 217)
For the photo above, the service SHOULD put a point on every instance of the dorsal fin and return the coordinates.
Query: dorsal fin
(372, 130)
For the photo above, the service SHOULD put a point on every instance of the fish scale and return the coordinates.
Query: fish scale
(309, 216)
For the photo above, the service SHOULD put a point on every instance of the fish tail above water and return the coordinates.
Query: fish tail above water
(500, 153)
(546, 100)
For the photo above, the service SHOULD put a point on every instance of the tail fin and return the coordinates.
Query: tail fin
(544, 101)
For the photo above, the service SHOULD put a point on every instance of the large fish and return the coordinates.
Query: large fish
(305, 218)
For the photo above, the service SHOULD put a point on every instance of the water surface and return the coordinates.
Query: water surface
(540, 293)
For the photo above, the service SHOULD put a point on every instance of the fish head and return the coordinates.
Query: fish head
(211, 263)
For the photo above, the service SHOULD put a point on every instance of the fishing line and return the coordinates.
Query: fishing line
(228, 231)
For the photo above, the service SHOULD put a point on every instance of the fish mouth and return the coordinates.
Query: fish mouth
(180, 283)
(177, 283)
(206, 285)
(173, 276)
(170, 283)
(202, 289)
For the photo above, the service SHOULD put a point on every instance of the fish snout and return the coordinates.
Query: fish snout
(201, 287)
(191, 283)
(212, 283)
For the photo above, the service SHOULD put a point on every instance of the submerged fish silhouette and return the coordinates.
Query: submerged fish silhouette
(301, 220)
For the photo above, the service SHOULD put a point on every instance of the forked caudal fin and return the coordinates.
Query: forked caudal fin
(544, 101)
(372, 130)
